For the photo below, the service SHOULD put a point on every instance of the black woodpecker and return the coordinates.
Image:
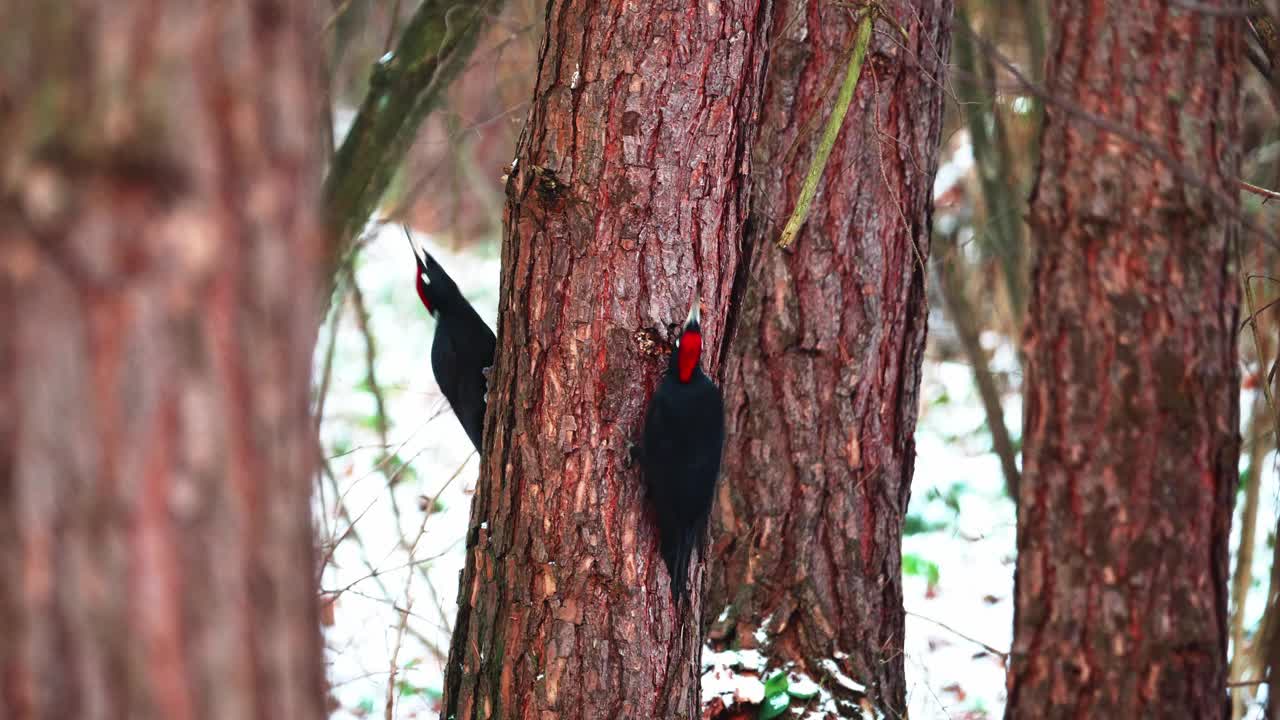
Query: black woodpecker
(680, 452)
(463, 348)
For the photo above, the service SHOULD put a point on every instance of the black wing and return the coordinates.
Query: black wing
(463, 346)
(683, 440)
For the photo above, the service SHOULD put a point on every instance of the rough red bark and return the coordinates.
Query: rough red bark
(822, 375)
(158, 233)
(626, 199)
(1131, 380)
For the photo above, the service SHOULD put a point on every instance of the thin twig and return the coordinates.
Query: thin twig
(1002, 653)
(1182, 171)
(389, 713)
(411, 549)
(955, 300)
(381, 464)
(370, 355)
(326, 374)
(1208, 10)
(436, 498)
(1262, 657)
(1262, 650)
(1257, 314)
(336, 15)
(351, 533)
(1243, 577)
(1257, 345)
(1265, 193)
(408, 595)
(376, 573)
(393, 605)
(375, 389)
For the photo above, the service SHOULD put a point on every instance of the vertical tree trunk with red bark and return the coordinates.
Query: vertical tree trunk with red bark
(158, 234)
(823, 372)
(1130, 429)
(626, 198)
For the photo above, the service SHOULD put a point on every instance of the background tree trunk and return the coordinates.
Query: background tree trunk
(627, 197)
(1132, 385)
(823, 371)
(158, 237)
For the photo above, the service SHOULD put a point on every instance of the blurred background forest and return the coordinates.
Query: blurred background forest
(393, 449)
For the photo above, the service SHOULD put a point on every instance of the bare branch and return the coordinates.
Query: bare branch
(1182, 171)
(957, 633)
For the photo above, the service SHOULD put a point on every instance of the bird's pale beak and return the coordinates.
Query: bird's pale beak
(695, 314)
(418, 252)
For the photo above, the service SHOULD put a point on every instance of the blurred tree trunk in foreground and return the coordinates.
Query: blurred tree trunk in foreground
(158, 240)
(823, 372)
(628, 196)
(1132, 387)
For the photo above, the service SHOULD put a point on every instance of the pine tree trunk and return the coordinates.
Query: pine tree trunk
(626, 199)
(158, 234)
(1132, 386)
(823, 373)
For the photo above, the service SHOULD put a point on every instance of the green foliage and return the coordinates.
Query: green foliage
(913, 564)
(407, 689)
(776, 698)
(777, 684)
(773, 706)
(951, 498)
(403, 471)
(916, 525)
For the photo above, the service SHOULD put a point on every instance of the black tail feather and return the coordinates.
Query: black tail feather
(677, 552)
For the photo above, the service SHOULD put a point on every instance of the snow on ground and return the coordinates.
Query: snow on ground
(958, 489)
(958, 591)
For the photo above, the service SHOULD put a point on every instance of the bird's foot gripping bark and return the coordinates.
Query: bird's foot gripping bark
(633, 456)
(487, 372)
